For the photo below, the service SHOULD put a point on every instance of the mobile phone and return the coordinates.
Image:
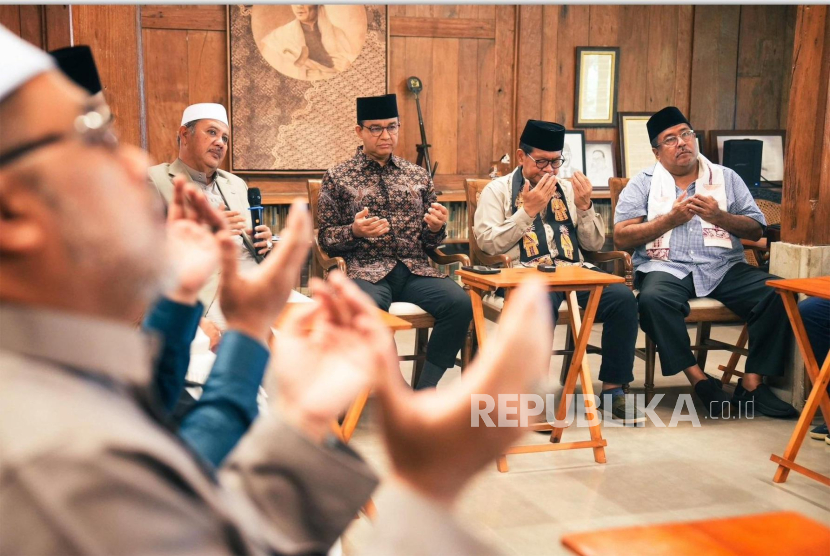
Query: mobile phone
(480, 269)
(546, 268)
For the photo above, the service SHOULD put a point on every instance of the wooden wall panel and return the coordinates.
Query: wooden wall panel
(714, 67)
(167, 93)
(58, 26)
(760, 60)
(112, 33)
(10, 18)
(725, 66)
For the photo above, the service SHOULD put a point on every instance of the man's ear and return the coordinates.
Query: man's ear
(22, 227)
(183, 135)
(357, 129)
(520, 157)
(655, 153)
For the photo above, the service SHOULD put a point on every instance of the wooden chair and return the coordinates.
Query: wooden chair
(704, 311)
(421, 320)
(473, 189)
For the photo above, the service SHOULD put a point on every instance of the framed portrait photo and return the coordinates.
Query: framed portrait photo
(635, 147)
(574, 154)
(597, 77)
(600, 163)
(294, 73)
(772, 156)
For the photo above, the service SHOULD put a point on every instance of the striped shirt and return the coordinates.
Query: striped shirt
(708, 265)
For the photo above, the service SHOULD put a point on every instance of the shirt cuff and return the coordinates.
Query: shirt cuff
(521, 218)
(240, 351)
(174, 321)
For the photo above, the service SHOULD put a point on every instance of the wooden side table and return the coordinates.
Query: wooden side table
(568, 279)
(789, 290)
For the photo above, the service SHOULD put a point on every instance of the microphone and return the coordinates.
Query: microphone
(256, 208)
(255, 204)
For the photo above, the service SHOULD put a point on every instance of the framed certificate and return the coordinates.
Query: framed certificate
(597, 77)
(635, 147)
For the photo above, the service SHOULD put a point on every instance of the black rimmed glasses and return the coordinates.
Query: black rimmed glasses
(93, 127)
(674, 140)
(542, 163)
(377, 130)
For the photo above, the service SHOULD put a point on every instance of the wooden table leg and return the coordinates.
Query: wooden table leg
(804, 346)
(586, 379)
(353, 416)
(582, 331)
(818, 397)
(478, 316)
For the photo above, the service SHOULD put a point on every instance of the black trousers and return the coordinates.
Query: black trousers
(618, 312)
(664, 304)
(442, 298)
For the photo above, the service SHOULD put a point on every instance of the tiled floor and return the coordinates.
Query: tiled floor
(652, 474)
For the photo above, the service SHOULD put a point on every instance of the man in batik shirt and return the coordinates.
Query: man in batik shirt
(379, 212)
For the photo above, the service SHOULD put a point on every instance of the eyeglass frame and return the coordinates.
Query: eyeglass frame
(550, 162)
(93, 127)
(691, 133)
(383, 128)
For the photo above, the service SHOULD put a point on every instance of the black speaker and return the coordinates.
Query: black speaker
(744, 156)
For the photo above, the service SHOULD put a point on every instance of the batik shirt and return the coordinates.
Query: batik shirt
(399, 191)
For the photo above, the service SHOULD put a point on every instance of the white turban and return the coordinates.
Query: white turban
(205, 111)
(20, 62)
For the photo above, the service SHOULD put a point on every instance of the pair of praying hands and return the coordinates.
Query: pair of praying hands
(685, 208)
(368, 226)
(331, 350)
(537, 198)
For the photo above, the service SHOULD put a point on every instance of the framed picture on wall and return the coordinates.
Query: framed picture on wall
(635, 148)
(772, 156)
(600, 163)
(574, 154)
(597, 77)
(292, 105)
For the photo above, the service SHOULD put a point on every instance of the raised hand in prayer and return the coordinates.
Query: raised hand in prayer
(251, 302)
(537, 198)
(327, 352)
(432, 445)
(706, 207)
(369, 226)
(681, 210)
(582, 190)
(436, 217)
(192, 249)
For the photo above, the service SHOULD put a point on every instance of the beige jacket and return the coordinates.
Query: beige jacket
(86, 469)
(498, 230)
(233, 189)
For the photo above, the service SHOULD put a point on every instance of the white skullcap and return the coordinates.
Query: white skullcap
(20, 62)
(205, 111)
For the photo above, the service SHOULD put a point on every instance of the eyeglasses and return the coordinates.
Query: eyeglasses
(673, 140)
(93, 127)
(543, 163)
(377, 130)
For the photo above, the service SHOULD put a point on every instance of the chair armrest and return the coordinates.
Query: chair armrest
(501, 260)
(326, 262)
(605, 256)
(762, 244)
(441, 258)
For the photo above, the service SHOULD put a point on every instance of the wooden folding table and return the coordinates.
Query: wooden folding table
(789, 290)
(569, 279)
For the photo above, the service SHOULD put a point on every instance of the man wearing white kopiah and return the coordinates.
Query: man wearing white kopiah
(685, 218)
(203, 143)
(310, 46)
